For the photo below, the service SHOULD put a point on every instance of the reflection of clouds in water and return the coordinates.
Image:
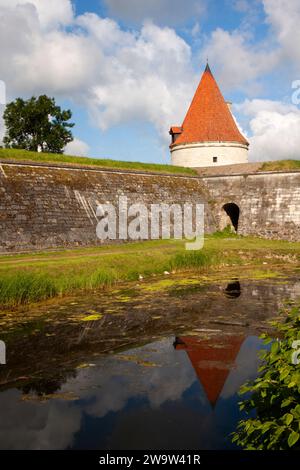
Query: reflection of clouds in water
(246, 365)
(108, 388)
(121, 380)
(53, 424)
(50, 425)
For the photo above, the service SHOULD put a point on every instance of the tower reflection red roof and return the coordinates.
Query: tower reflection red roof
(212, 360)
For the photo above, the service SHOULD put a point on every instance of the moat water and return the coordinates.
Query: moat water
(154, 366)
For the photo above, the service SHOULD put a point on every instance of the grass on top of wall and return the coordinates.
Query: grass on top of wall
(281, 165)
(41, 157)
(29, 278)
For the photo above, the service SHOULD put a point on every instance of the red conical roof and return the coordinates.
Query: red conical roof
(209, 118)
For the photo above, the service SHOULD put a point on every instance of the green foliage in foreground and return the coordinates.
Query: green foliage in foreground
(43, 157)
(275, 394)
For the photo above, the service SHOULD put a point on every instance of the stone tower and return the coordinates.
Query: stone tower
(209, 135)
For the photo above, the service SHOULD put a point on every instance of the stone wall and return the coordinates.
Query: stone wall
(269, 203)
(50, 206)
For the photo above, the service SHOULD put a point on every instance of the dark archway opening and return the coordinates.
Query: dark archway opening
(233, 212)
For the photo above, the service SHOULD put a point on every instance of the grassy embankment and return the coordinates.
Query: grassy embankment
(28, 278)
(24, 155)
(281, 165)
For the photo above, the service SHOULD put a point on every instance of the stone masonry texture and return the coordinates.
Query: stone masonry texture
(269, 203)
(48, 207)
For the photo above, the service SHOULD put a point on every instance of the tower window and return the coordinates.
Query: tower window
(215, 159)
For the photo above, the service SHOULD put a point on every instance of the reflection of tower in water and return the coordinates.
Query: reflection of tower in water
(212, 360)
(233, 289)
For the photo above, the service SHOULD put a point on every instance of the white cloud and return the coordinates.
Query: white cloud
(241, 60)
(275, 129)
(138, 80)
(238, 62)
(169, 12)
(253, 107)
(284, 18)
(106, 32)
(144, 75)
(77, 147)
(118, 75)
(50, 13)
(54, 62)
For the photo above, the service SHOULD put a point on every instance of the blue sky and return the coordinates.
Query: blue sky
(128, 68)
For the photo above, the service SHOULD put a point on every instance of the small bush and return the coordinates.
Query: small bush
(274, 395)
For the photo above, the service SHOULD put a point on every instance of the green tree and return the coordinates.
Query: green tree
(275, 394)
(37, 124)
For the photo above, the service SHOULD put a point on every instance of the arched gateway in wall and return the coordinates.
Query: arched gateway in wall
(230, 216)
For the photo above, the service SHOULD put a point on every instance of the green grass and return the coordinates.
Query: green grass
(226, 232)
(194, 259)
(281, 165)
(29, 278)
(24, 155)
(26, 287)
